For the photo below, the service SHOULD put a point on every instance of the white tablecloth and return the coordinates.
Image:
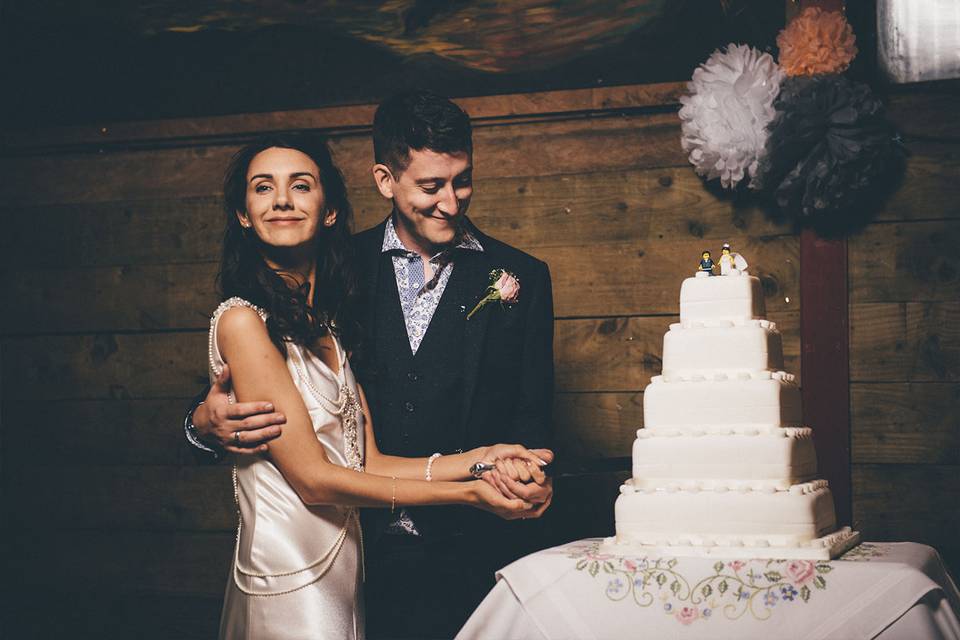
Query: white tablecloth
(891, 591)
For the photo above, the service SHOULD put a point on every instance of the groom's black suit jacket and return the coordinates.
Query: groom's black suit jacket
(472, 382)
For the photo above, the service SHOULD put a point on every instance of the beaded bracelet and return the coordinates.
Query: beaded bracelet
(430, 460)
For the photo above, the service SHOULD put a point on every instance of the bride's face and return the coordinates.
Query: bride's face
(285, 206)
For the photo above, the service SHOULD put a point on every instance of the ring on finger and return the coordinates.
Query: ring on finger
(236, 438)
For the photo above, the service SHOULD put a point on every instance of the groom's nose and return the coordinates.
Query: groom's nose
(448, 204)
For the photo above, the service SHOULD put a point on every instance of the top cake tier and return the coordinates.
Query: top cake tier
(721, 299)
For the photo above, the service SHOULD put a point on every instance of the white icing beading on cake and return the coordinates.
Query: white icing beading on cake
(724, 466)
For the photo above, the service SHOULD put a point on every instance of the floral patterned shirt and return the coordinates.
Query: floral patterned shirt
(417, 300)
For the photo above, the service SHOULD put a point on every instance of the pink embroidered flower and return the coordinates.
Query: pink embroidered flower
(509, 287)
(686, 615)
(629, 565)
(736, 565)
(800, 571)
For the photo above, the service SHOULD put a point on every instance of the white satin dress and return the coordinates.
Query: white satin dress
(297, 569)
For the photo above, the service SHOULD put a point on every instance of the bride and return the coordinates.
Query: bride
(284, 330)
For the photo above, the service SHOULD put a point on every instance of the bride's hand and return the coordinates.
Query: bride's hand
(489, 499)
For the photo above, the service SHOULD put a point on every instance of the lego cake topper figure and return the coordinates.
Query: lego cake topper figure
(706, 265)
(731, 263)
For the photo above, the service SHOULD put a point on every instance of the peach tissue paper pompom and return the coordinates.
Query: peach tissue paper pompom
(725, 116)
(817, 42)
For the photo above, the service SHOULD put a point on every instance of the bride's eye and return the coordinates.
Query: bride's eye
(263, 187)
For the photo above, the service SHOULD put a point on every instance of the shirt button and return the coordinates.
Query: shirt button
(412, 377)
(408, 406)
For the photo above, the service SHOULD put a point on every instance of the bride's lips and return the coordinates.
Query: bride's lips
(284, 220)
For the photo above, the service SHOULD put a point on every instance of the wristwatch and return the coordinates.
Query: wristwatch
(477, 469)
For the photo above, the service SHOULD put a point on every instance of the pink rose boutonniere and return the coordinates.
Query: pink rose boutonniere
(504, 286)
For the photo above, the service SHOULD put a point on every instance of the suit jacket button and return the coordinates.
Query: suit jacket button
(412, 377)
(408, 406)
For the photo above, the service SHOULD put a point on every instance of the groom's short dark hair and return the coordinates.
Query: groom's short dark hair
(418, 120)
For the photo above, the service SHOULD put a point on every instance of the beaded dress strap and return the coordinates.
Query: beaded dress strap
(213, 352)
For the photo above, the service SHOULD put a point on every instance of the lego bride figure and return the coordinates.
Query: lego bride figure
(731, 264)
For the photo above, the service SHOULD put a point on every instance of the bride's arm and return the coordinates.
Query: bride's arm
(451, 467)
(259, 371)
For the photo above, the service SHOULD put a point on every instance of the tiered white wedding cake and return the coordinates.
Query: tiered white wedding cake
(724, 466)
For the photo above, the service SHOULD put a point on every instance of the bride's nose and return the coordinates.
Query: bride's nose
(281, 200)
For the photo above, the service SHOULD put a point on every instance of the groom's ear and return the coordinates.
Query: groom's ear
(384, 180)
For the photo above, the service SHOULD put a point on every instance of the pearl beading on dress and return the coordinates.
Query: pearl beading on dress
(348, 409)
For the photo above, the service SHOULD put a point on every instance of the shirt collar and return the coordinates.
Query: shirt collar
(391, 241)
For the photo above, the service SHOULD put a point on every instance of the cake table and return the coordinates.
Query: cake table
(877, 590)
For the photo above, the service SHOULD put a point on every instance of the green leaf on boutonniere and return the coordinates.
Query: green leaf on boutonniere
(491, 292)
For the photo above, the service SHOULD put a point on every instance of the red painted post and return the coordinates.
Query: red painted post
(825, 361)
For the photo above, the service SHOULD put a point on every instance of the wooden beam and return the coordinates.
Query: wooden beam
(824, 349)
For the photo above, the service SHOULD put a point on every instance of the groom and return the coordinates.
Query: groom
(436, 380)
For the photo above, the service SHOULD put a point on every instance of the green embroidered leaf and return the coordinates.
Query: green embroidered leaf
(608, 566)
(661, 579)
(824, 568)
(594, 568)
(675, 586)
(722, 587)
(581, 564)
(707, 590)
(718, 567)
(672, 563)
(805, 593)
(819, 582)
(773, 576)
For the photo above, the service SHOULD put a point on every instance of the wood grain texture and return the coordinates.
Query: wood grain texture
(904, 423)
(119, 432)
(344, 117)
(909, 502)
(147, 499)
(929, 189)
(924, 112)
(104, 366)
(110, 614)
(112, 561)
(523, 149)
(905, 342)
(597, 425)
(906, 262)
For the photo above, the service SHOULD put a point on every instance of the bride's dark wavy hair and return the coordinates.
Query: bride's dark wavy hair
(244, 273)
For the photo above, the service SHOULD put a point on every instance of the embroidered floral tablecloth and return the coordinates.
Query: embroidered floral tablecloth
(575, 591)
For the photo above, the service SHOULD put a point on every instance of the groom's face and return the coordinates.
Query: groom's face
(431, 196)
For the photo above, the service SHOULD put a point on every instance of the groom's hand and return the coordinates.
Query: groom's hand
(539, 496)
(241, 428)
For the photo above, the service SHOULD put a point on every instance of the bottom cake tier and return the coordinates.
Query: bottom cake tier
(798, 523)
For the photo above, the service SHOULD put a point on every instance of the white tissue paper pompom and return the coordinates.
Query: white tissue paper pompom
(725, 117)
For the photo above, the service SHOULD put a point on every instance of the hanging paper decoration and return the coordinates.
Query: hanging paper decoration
(829, 151)
(817, 42)
(725, 115)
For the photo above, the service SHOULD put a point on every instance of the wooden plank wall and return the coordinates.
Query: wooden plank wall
(904, 282)
(110, 242)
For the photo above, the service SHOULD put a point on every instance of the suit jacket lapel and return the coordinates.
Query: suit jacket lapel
(368, 257)
(476, 268)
